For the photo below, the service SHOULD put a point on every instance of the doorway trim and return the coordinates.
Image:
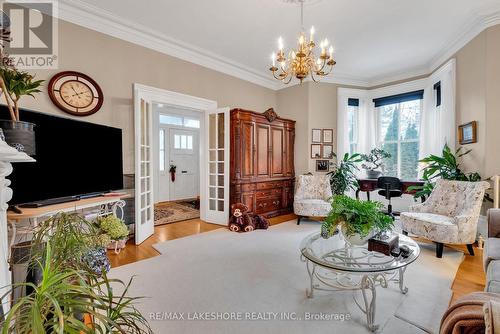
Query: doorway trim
(193, 103)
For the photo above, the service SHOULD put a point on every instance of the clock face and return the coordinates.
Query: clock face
(75, 93)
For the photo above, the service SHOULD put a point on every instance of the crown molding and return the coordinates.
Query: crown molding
(468, 33)
(91, 17)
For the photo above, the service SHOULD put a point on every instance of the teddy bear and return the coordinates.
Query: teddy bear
(241, 221)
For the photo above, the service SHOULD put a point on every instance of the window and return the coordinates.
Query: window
(399, 133)
(162, 150)
(180, 121)
(352, 123)
(183, 142)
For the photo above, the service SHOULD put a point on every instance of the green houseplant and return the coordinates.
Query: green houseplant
(342, 178)
(443, 167)
(16, 84)
(71, 296)
(358, 220)
(374, 161)
(113, 229)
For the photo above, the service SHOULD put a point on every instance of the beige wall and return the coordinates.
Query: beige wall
(478, 98)
(116, 65)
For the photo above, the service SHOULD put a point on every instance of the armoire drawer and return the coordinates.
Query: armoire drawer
(267, 205)
(269, 185)
(260, 194)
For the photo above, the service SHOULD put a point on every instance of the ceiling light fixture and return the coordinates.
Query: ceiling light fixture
(302, 62)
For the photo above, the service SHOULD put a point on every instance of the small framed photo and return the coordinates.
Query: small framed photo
(467, 133)
(322, 165)
(315, 151)
(316, 136)
(327, 152)
(327, 135)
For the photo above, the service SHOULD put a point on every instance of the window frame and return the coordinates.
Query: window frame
(399, 141)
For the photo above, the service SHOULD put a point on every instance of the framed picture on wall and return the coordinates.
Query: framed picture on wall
(316, 136)
(327, 135)
(467, 133)
(322, 165)
(327, 152)
(315, 151)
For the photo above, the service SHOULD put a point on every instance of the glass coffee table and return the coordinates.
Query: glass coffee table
(335, 265)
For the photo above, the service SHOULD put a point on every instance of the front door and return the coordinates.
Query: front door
(184, 155)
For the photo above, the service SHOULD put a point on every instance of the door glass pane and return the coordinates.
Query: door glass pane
(409, 160)
(391, 164)
(183, 142)
(221, 168)
(220, 154)
(162, 161)
(221, 180)
(212, 205)
(212, 131)
(212, 180)
(220, 131)
(213, 155)
(221, 206)
(177, 142)
(189, 142)
(213, 168)
(212, 192)
(220, 193)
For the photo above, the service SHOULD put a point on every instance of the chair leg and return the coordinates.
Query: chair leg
(298, 219)
(405, 233)
(439, 249)
(470, 249)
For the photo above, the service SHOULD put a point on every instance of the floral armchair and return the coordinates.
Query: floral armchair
(312, 196)
(450, 214)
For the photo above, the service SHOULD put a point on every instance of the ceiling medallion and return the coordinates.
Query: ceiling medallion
(302, 62)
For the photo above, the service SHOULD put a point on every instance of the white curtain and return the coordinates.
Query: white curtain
(342, 127)
(437, 126)
(367, 126)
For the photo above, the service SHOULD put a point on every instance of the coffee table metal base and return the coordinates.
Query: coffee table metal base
(327, 279)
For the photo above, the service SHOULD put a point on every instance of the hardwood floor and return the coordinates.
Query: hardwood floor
(470, 276)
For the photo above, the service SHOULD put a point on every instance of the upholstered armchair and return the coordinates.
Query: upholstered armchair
(312, 196)
(449, 216)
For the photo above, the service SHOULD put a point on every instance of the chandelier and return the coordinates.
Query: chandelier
(302, 62)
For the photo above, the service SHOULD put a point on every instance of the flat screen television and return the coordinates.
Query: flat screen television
(72, 158)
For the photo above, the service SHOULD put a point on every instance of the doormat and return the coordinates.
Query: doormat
(171, 212)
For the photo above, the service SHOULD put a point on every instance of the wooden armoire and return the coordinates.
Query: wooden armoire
(262, 161)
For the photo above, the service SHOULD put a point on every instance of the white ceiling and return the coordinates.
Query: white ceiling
(375, 40)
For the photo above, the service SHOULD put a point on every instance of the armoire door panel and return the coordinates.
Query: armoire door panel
(247, 148)
(263, 150)
(278, 151)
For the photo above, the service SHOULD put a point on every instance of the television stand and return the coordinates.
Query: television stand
(105, 204)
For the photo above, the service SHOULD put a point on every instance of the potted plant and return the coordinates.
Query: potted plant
(342, 178)
(14, 85)
(357, 220)
(114, 230)
(374, 161)
(445, 167)
(71, 296)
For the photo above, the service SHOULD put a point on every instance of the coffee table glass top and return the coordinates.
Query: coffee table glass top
(336, 254)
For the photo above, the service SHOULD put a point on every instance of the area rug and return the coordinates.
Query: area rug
(224, 282)
(171, 212)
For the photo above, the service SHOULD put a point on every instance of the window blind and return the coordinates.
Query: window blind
(405, 97)
(437, 87)
(353, 102)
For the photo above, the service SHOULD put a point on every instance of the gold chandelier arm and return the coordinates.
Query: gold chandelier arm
(313, 78)
(286, 82)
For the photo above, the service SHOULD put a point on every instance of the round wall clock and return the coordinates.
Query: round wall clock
(75, 93)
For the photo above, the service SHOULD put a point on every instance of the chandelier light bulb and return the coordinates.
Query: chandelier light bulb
(312, 33)
(330, 50)
(301, 39)
(273, 59)
(280, 43)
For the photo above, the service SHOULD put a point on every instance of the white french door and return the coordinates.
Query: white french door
(144, 202)
(217, 145)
